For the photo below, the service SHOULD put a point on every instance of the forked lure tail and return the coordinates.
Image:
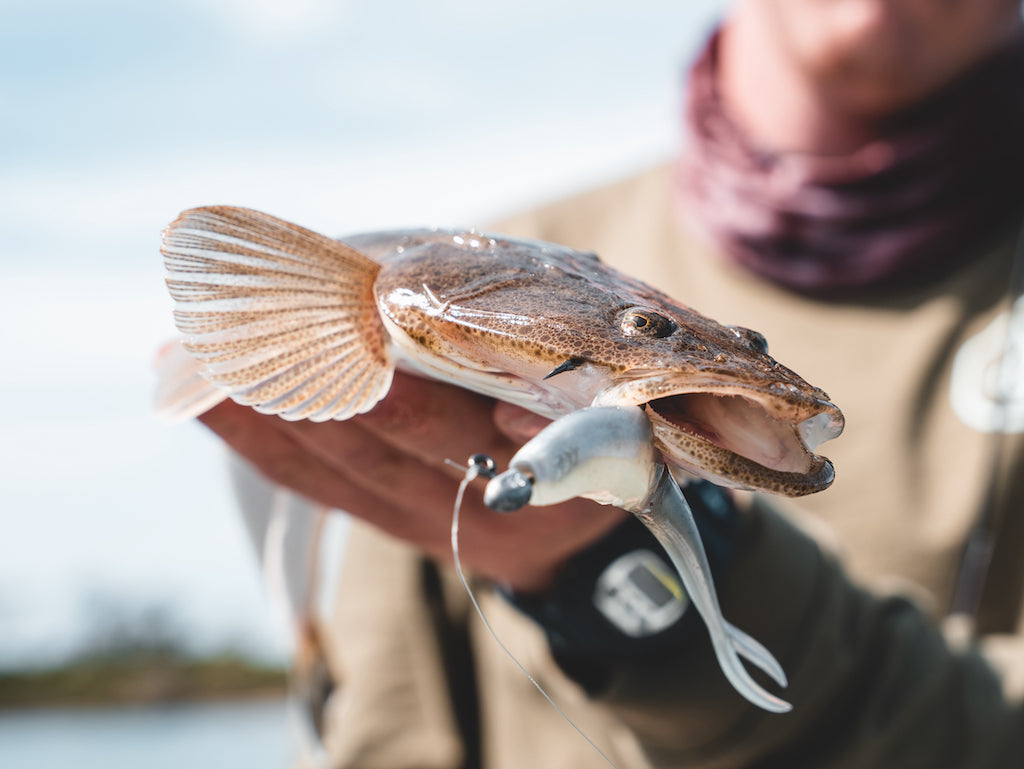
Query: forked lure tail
(668, 516)
(607, 454)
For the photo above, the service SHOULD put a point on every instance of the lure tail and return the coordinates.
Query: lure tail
(281, 318)
(670, 519)
(607, 454)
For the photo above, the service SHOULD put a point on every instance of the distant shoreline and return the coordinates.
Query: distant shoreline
(141, 680)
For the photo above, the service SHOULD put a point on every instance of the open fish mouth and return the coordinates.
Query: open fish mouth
(743, 437)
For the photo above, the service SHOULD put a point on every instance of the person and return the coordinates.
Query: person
(851, 188)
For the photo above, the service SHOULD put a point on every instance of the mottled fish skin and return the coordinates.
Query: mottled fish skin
(526, 307)
(532, 323)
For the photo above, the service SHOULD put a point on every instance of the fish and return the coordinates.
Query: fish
(294, 323)
(298, 324)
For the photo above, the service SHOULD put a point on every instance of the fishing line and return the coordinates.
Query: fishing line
(481, 465)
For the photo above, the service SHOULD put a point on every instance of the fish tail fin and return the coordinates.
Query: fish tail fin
(181, 390)
(281, 318)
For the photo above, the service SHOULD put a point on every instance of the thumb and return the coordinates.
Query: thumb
(518, 424)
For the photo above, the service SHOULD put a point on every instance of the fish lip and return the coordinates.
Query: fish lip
(805, 410)
(728, 468)
(638, 390)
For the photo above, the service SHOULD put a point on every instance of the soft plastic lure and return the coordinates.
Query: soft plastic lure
(607, 454)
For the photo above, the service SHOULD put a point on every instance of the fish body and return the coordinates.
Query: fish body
(308, 327)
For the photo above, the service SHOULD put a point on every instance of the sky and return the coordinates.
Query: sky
(344, 116)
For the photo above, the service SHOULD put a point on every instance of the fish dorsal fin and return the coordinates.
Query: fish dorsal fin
(283, 319)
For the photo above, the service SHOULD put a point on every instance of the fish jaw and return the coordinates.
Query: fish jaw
(757, 437)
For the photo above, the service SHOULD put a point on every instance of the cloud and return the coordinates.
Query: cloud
(274, 20)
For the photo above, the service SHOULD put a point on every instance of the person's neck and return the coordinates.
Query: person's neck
(848, 208)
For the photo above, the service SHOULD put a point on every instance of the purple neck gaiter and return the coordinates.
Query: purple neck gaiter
(943, 180)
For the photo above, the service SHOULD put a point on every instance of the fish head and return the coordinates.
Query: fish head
(554, 330)
(726, 411)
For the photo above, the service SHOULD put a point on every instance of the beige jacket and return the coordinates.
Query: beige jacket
(851, 609)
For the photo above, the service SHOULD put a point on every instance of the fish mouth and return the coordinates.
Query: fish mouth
(744, 437)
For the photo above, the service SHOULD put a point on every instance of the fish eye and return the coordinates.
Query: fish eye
(639, 321)
(754, 338)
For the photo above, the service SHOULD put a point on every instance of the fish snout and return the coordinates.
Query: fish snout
(823, 426)
(746, 438)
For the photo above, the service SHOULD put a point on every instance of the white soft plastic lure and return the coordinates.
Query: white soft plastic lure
(607, 454)
(307, 327)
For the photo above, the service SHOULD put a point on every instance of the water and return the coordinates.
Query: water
(255, 735)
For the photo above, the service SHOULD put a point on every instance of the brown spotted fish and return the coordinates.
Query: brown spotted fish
(301, 325)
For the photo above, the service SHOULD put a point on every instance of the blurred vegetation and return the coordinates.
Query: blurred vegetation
(140, 678)
(134, 656)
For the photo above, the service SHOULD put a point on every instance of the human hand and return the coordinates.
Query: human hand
(388, 468)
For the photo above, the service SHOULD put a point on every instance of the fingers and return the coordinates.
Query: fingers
(338, 465)
(518, 424)
(344, 466)
(387, 467)
(260, 439)
(398, 450)
(422, 421)
(419, 422)
(433, 421)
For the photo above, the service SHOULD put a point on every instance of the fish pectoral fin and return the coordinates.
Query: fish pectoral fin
(181, 390)
(281, 318)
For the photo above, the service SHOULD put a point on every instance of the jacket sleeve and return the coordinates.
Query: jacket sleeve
(873, 681)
